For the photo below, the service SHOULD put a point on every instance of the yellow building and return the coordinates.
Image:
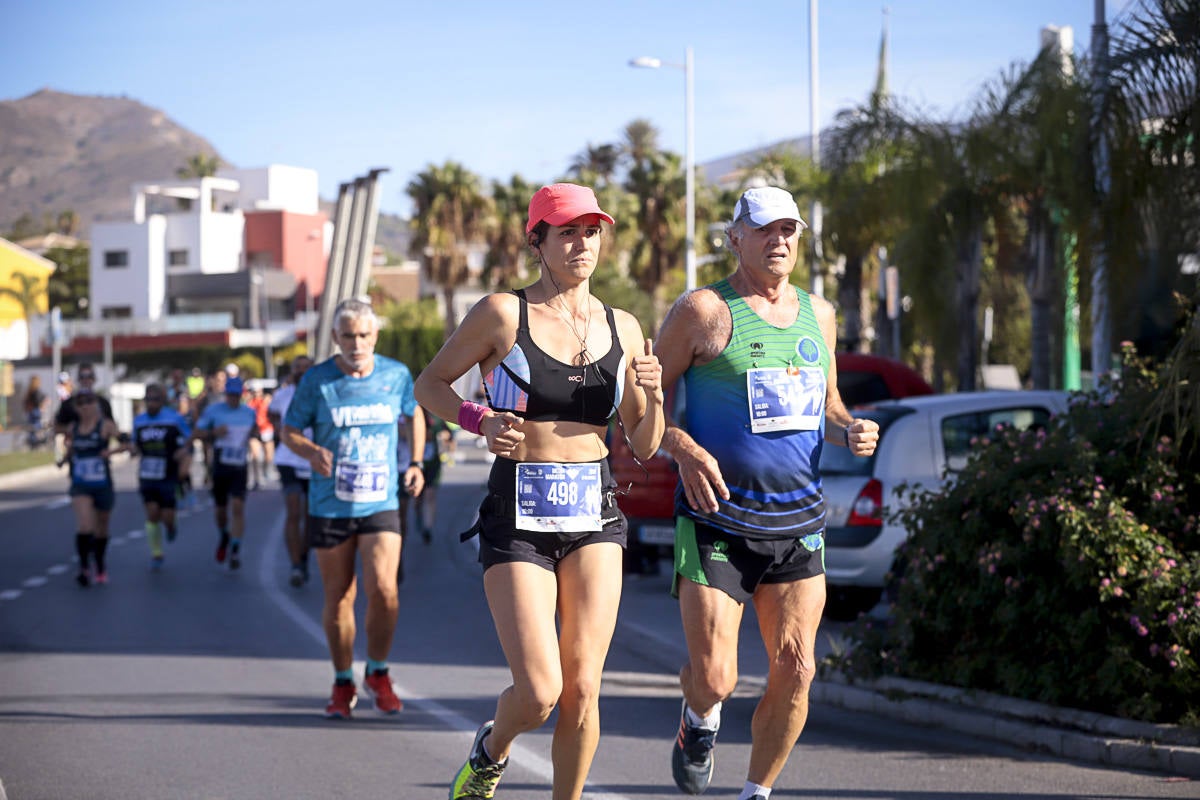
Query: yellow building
(24, 277)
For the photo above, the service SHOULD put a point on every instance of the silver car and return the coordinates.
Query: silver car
(923, 441)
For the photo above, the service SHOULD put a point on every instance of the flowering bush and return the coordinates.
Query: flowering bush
(1061, 566)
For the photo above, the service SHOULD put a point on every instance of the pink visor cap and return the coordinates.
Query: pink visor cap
(559, 203)
(765, 204)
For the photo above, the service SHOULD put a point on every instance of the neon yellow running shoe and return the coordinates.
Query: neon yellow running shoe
(478, 777)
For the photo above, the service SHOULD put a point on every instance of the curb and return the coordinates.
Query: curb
(1068, 733)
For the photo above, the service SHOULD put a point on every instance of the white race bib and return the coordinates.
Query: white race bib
(153, 468)
(785, 399)
(361, 481)
(90, 469)
(558, 498)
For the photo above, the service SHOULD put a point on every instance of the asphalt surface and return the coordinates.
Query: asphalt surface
(647, 637)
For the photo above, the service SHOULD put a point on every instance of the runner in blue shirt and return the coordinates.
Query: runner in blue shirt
(229, 426)
(354, 402)
(162, 436)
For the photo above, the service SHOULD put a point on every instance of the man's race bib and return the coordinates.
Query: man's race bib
(558, 498)
(231, 448)
(90, 469)
(785, 399)
(361, 481)
(153, 468)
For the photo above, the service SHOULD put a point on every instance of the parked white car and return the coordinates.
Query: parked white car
(921, 440)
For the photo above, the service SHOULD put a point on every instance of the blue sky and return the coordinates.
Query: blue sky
(505, 87)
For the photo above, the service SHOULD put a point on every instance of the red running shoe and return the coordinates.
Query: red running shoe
(378, 686)
(343, 699)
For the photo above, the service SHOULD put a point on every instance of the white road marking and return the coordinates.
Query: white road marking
(59, 503)
(10, 594)
(57, 569)
(267, 571)
(35, 582)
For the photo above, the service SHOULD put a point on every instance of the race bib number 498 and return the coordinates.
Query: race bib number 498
(557, 498)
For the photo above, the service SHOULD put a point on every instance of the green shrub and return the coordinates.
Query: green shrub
(1061, 566)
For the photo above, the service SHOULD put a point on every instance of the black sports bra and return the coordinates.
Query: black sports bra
(536, 387)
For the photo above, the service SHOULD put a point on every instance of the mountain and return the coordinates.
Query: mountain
(62, 152)
(69, 152)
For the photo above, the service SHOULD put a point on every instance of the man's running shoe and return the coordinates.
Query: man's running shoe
(297, 578)
(692, 756)
(156, 562)
(378, 686)
(343, 699)
(222, 547)
(101, 578)
(478, 777)
(235, 555)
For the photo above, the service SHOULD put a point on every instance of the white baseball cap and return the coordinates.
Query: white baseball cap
(765, 204)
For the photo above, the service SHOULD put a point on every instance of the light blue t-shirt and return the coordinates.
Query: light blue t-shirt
(357, 420)
(230, 450)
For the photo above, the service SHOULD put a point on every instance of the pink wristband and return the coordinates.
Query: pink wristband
(470, 415)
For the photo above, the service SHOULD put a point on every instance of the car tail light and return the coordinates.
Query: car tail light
(868, 506)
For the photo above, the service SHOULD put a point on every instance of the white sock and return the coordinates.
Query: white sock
(710, 723)
(752, 789)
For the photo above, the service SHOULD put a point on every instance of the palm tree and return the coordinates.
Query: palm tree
(451, 215)
(199, 165)
(504, 263)
(596, 165)
(28, 294)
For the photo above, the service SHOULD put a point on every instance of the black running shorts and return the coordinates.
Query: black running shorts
(227, 483)
(326, 532)
(501, 543)
(737, 565)
(160, 493)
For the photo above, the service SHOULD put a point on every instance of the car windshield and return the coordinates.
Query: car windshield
(838, 461)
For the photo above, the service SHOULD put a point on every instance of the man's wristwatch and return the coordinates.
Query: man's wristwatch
(418, 465)
(846, 433)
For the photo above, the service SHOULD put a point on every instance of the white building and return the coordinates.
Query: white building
(186, 242)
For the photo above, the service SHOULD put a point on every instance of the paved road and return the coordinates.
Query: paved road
(195, 682)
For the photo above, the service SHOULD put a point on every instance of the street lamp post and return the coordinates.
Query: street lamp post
(648, 62)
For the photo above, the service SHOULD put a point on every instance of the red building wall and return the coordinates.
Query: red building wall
(295, 242)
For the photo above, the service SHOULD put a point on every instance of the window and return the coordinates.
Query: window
(177, 258)
(116, 312)
(958, 431)
(116, 258)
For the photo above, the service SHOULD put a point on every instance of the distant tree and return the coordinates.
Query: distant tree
(451, 215)
(596, 165)
(199, 165)
(506, 256)
(70, 282)
(23, 227)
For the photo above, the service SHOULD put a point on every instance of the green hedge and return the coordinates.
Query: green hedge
(1062, 566)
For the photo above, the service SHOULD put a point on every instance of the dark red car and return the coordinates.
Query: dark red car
(647, 495)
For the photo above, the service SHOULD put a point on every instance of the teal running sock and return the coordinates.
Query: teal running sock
(343, 676)
(374, 666)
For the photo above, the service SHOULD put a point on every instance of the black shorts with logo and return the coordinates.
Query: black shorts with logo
(737, 565)
(500, 542)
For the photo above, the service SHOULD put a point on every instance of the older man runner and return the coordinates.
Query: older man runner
(756, 357)
(353, 403)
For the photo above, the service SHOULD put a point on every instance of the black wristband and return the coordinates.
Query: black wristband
(418, 465)
(846, 433)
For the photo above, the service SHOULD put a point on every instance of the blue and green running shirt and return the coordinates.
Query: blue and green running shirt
(357, 420)
(759, 409)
